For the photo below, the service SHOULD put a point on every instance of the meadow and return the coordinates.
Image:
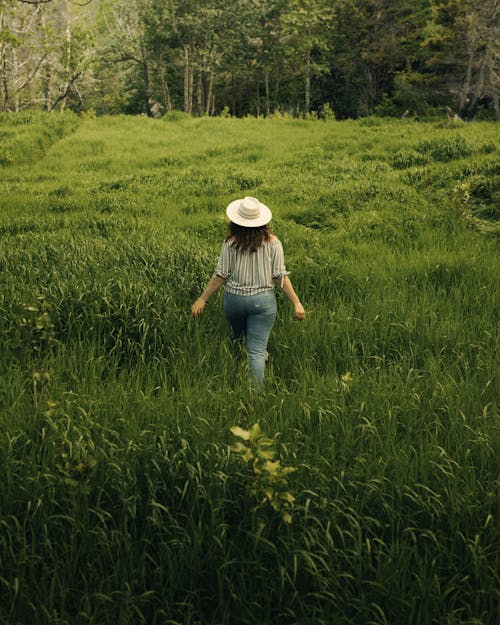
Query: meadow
(143, 481)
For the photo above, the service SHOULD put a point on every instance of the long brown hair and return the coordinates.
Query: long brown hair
(248, 239)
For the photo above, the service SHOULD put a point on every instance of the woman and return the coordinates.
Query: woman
(250, 263)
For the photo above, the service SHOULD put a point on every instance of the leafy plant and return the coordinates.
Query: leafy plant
(37, 326)
(74, 450)
(269, 479)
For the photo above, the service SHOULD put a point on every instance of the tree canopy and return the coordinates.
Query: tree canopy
(256, 57)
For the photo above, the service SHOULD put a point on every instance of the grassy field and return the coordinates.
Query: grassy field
(136, 486)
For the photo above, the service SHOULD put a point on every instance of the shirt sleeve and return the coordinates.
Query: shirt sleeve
(278, 261)
(223, 268)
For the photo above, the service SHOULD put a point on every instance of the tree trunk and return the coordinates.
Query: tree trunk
(68, 55)
(147, 98)
(5, 86)
(3, 69)
(191, 89)
(466, 85)
(47, 86)
(266, 81)
(186, 78)
(478, 90)
(167, 102)
(47, 81)
(233, 94)
(307, 98)
(199, 93)
(64, 93)
(15, 79)
(210, 92)
(277, 87)
(496, 107)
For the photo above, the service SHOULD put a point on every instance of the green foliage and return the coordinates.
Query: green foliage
(36, 326)
(69, 445)
(121, 501)
(216, 57)
(269, 482)
(327, 113)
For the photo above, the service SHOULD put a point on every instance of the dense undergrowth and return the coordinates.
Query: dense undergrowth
(123, 498)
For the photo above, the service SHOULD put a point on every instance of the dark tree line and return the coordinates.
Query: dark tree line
(257, 57)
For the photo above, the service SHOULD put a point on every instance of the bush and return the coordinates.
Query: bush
(176, 116)
(327, 113)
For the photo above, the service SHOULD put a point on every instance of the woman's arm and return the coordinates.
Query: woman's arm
(293, 297)
(199, 306)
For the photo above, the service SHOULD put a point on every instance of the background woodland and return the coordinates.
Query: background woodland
(347, 58)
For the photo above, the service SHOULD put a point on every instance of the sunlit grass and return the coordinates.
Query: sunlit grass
(121, 501)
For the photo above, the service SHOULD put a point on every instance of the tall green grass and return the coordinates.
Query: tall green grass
(121, 500)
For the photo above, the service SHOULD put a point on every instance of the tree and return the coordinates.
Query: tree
(268, 49)
(127, 52)
(375, 46)
(252, 56)
(306, 34)
(463, 53)
(75, 55)
(20, 61)
(45, 50)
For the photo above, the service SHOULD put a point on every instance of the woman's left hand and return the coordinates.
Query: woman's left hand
(198, 307)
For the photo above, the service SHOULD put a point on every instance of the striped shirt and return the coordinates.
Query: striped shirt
(248, 273)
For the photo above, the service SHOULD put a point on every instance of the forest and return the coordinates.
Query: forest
(304, 58)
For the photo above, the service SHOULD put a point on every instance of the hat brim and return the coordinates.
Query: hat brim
(264, 217)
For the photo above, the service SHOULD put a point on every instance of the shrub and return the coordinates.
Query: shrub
(327, 113)
(176, 116)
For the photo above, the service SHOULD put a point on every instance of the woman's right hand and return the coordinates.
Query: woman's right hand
(300, 313)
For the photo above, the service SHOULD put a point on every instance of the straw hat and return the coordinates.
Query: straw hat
(248, 212)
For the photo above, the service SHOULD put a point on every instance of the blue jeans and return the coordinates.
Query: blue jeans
(252, 316)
